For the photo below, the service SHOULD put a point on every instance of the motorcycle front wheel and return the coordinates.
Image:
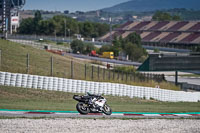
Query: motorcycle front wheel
(107, 110)
(82, 108)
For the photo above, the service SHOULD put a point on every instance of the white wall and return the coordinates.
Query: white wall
(81, 86)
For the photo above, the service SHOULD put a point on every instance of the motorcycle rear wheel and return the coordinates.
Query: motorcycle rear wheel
(82, 109)
(107, 110)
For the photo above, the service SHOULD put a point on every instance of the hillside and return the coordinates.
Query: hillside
(14, 59)
(152, 5)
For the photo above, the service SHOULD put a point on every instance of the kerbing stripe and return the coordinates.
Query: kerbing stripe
(151, 114)
(168, 114)
(194, 114)
(133, 114)
(182, 115)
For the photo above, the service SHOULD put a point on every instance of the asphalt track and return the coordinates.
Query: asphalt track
(75, 114)
(104, 59)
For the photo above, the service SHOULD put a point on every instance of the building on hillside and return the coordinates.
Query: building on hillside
(161, 33)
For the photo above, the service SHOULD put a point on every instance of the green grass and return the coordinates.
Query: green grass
(14, 57)
(191, 75)
(34, 99)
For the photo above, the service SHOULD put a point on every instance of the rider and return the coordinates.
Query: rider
(93, 98)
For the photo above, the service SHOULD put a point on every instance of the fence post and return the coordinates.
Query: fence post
(51, 65)
(103, 73)
(118, 75)
(109, 74)
(72, 69)
(134, 77)
(113, 75)
(92, 72)
(122, 76)
(126, 77)
(147, 77)
(150, 77)
(27, 63)
(98, 72)
(163, 77)
(85, 71)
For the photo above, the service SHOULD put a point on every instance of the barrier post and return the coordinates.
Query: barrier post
(98, 72)
(27, 63)
(113, 75)
(118, 75)
(92, 72)
(109, 74)
(85, 71)
(51, 65)
(126, 77)
(72, 69)
(103, 73)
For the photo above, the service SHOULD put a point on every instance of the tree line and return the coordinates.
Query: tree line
(60, 25)
(164, 16)
(130, 46)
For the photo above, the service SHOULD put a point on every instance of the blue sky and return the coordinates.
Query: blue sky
(71, 5)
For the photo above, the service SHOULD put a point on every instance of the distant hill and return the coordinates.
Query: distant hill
(152, 5)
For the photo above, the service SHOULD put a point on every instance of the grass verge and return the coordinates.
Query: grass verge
(35, 99)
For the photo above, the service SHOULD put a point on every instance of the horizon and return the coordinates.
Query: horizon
(71, 6)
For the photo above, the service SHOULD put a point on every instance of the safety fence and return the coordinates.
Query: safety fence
(81, 86)
(56, 66)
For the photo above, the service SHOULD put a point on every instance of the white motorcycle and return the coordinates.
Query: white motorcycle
(92, 104)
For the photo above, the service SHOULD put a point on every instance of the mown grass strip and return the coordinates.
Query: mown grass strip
(35, 99)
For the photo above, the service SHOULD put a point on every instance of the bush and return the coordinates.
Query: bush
(59, 43)
(156, 50)
(81, 47)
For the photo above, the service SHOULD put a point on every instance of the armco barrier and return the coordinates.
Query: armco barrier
(80, 86)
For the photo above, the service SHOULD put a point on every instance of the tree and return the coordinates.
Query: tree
(81, 47)
(101, 29)
(105, 48)
(88, 48)
(26, 26)
(88, 29)
(176, 18)
(77, 46)
(118, 45)
(134, 38)
(46, 27)
(130, 45)
(161, 16)
(37, 18)
(58, 24)
(66, 12)
(134, 52)
(164, 16)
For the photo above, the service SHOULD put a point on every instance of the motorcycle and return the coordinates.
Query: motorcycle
(91, 103)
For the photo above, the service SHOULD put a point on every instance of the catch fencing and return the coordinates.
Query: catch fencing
(81, 86)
